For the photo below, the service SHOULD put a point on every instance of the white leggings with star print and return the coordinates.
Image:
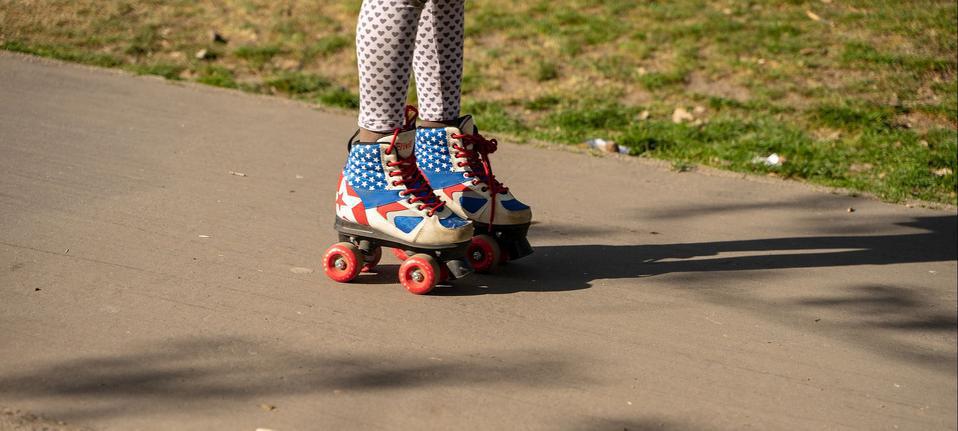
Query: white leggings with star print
(391, 35)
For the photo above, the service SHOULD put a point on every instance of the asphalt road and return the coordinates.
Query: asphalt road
(144, 286)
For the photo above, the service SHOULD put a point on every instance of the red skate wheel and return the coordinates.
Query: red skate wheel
(400, 254)
(418, 273)
(483, 253)
(372, 259)
(341, 262)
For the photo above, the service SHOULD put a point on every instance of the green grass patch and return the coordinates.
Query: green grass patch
(166, 70)
(217, 76)
(328, 45)
(855, 53)
(339, 97)
(657, 80)
(546, 71)
(65, 53)
(472, 80)
(325, 47)
(298, 83)
(587, 120)
(493, 116)
(257, 55)
(144, 42)
(854, 116)
(543, 103)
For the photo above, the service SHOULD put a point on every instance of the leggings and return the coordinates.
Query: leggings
(391, 35)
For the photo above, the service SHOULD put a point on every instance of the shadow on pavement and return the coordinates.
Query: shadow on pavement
(573, 267)
(889, 318)
(190, 372)
(628, 424)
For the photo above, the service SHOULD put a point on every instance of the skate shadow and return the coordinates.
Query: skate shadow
(559, 268)
(384, 273)
(894, 318)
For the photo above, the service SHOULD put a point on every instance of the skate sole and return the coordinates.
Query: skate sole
(452, 255)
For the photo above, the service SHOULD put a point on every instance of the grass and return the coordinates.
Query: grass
(294, 83)
(166, 70)
(859, 93)
(217, 76)
(63, 53)
(257, 56)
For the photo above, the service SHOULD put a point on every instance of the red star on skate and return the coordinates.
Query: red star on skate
(348, 204)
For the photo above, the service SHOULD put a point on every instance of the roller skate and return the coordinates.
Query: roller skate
(455, 161)
(383, 201)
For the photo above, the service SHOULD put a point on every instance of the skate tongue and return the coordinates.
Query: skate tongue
(404, 143)
(467, 125)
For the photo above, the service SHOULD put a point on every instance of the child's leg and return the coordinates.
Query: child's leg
(385, 41)
(438, 61)
(450, 152)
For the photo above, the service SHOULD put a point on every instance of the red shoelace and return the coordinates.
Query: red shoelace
(409, 174)
(477, 156)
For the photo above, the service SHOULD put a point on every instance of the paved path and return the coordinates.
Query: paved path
(142, 286)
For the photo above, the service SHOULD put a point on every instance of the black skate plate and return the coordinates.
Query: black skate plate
(452, 255)
(511, 238)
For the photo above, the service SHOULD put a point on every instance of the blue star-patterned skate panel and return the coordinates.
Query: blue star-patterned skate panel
(432, 151)
(364, 169)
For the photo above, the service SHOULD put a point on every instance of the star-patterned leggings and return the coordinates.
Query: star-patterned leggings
(391, 35)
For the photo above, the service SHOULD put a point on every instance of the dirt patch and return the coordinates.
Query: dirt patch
(922, 122)
(717, 86)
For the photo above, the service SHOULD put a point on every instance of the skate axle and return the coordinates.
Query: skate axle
(417, 275)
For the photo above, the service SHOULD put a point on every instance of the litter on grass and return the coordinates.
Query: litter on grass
(772, 160)
(602, 145)
(606, 146)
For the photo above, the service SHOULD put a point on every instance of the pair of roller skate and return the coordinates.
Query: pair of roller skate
(431, 196)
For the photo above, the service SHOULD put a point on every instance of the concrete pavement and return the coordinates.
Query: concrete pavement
(144, 286)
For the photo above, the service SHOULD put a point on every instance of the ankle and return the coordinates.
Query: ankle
(437, 124)
(371, 135)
